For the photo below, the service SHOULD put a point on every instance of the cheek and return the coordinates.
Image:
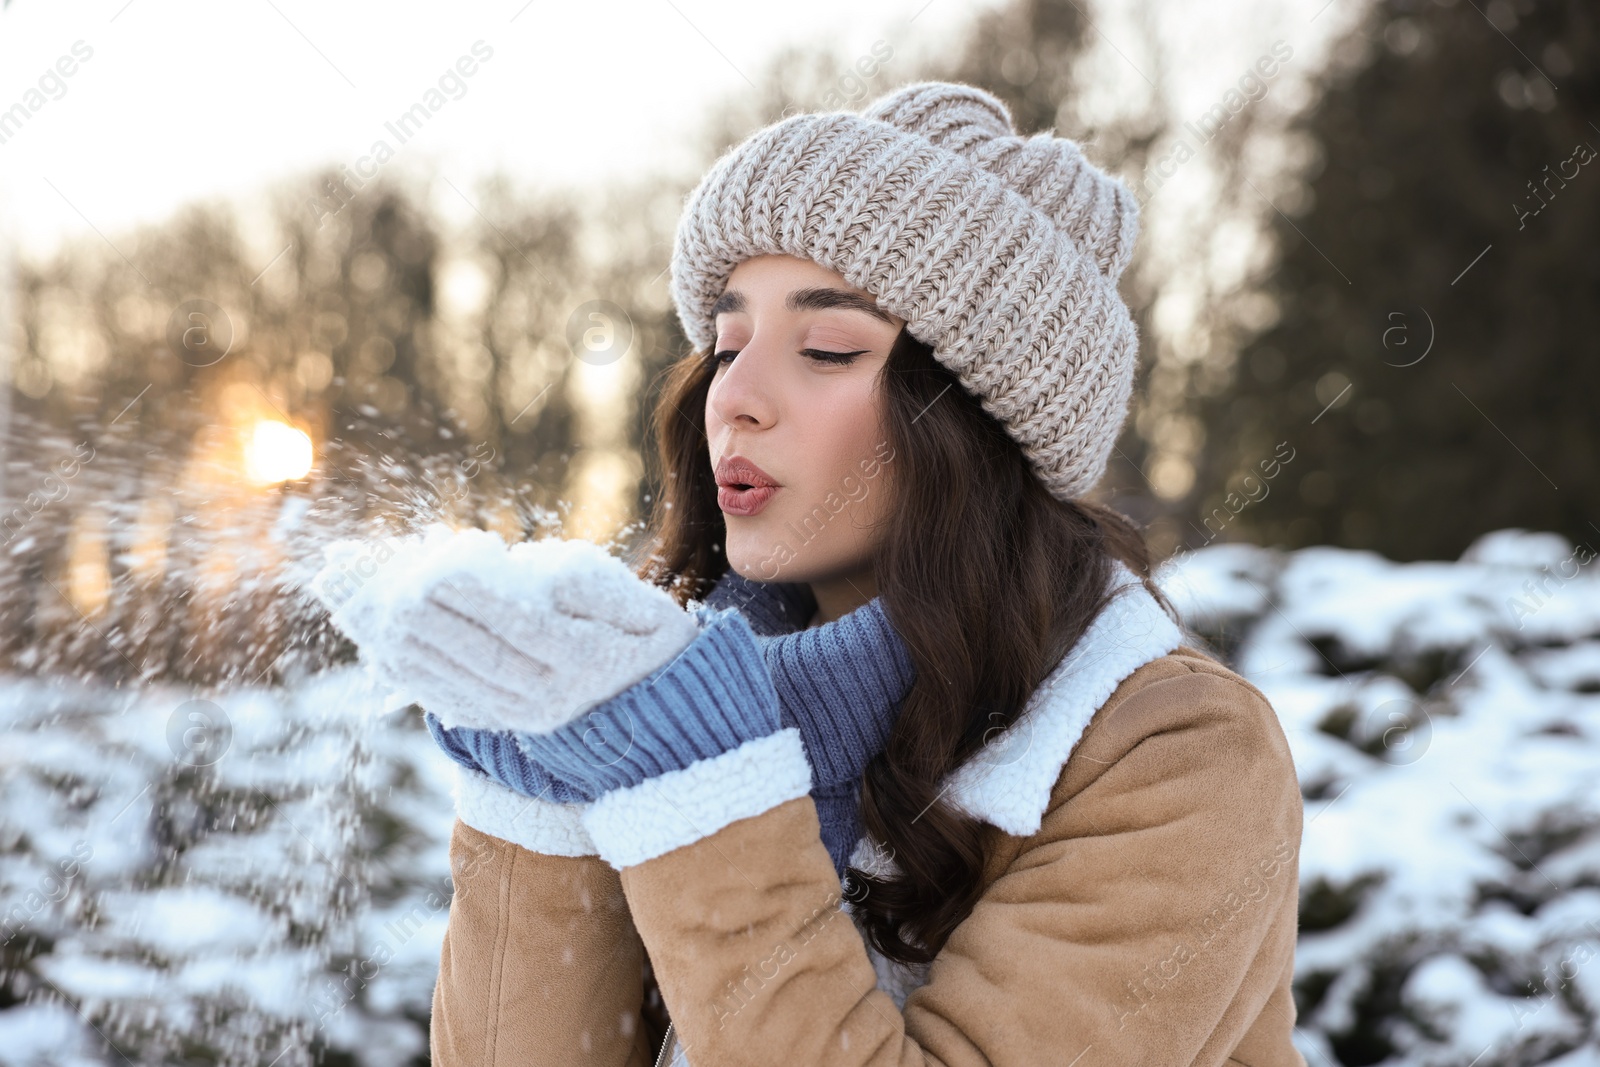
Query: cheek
(831, 488)
(844, 430)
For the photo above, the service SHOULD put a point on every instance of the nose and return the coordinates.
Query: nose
(743, 393)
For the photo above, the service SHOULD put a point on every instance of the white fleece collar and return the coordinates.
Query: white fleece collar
(1008, 783)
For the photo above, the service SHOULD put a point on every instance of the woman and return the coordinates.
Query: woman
(929, 686)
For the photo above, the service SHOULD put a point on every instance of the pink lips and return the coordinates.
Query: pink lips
(744, 501)
(742, 487)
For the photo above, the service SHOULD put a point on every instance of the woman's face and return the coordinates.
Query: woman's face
(799, 351)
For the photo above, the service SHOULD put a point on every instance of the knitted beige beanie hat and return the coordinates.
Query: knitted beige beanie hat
(1001, 252)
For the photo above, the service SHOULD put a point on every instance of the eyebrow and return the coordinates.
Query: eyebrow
(815, 298)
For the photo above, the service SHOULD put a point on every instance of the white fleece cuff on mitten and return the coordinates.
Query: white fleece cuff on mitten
(536, 825)
(629, 826)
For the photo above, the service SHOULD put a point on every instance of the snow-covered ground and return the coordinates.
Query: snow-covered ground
(254, 876)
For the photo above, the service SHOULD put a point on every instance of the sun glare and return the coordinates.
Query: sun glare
(277, 452)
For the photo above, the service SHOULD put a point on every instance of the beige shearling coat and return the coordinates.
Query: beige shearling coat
(1140, 905)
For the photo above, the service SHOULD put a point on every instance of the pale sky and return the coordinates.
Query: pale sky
(180, 100)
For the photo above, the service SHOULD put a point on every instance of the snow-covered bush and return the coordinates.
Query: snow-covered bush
(1445, 724)
(243, 877)
(259, 876)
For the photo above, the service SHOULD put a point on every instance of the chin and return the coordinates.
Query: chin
(753, 556)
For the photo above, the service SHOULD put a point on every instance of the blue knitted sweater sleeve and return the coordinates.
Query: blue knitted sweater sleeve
(711, 698)
(495, 753)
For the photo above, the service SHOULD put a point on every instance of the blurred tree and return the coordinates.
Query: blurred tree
(521, 408)
(1436, 295)
(135, 540)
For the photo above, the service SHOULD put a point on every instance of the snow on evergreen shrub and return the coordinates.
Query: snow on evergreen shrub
(1445, 725)
(260, 876)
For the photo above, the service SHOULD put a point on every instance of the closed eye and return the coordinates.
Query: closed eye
(823, 355)
(820, 355)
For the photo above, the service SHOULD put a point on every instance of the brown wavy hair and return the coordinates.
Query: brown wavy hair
(987, 578)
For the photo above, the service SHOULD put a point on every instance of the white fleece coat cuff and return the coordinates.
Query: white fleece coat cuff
(629, 826)
(537, 825)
